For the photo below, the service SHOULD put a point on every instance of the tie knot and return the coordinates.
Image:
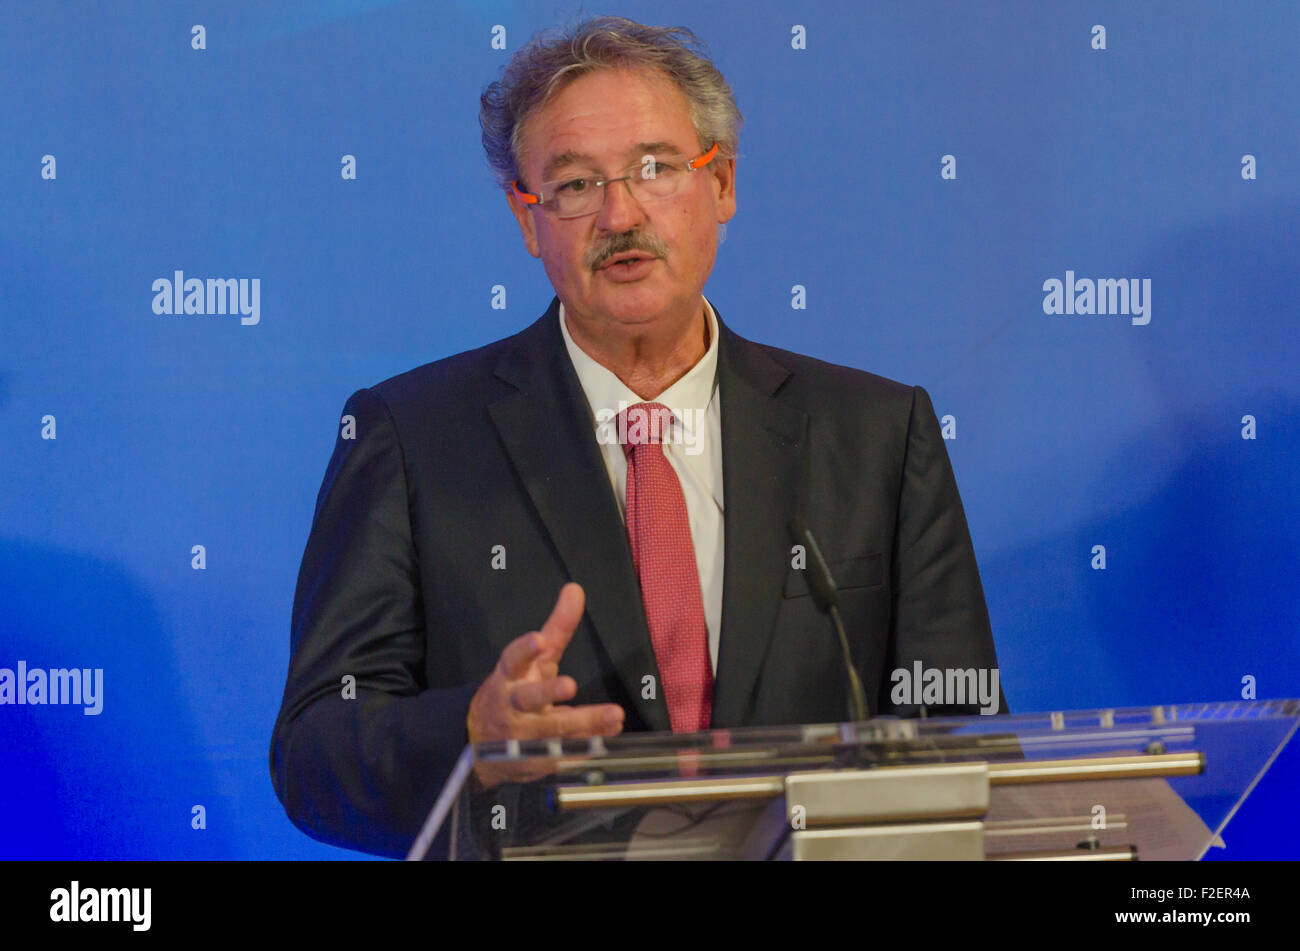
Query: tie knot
(642, 424)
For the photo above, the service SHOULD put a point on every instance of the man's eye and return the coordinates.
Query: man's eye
(655, 169)
(575, 187)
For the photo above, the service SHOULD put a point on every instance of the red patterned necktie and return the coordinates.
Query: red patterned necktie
(660, 533)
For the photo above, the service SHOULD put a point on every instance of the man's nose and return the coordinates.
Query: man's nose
(620, 210)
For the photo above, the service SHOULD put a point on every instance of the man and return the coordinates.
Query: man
(624, 470)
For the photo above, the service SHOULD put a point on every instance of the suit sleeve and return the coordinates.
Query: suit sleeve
(940, 616)
(361, 766)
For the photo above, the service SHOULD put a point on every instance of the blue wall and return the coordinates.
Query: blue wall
(1071, 431)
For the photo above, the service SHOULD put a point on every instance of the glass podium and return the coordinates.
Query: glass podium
(1100, 785)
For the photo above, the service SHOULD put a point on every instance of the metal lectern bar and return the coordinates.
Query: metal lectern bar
(624, 795)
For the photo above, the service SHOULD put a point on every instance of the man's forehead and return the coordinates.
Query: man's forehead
(587, 115)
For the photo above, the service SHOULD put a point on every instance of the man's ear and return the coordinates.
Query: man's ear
(724, 188)
(527, 226)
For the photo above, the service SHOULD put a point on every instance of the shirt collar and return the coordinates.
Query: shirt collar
(689, 397)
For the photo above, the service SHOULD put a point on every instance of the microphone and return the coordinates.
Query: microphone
(827, 598)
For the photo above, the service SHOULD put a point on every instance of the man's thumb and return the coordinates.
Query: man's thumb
(565, 617)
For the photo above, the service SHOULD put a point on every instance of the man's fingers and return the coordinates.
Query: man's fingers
(550, 641)
(533, 696)
(520, 653)
(597, 719)
(565, 617)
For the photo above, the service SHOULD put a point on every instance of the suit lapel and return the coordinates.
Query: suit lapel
(548, 431)
(763, 447)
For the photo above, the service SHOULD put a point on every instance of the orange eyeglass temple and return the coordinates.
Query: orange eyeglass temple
(704, 159)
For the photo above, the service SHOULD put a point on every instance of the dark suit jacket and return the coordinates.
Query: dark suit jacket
(497, 447)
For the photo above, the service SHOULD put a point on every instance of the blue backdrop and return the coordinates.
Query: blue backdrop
(922, 170)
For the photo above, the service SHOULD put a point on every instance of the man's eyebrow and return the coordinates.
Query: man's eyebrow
(557, 162)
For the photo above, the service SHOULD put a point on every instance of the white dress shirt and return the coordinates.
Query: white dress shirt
(694, 451)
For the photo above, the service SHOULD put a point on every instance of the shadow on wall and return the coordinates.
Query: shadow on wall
(1198, 587)
(118, 785)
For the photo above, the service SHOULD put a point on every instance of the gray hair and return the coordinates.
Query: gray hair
(549, 62)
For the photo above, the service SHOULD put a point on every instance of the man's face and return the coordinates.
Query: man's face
(608, 116)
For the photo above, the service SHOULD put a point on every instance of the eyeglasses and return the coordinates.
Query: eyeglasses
(648, 181)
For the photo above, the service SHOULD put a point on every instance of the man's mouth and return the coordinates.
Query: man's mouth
(627, 259)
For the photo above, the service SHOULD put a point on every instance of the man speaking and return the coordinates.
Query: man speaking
(583, 528)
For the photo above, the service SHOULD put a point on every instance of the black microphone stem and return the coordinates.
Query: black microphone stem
(857, 712)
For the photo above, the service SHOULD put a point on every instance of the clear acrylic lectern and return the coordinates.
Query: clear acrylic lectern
(1102, 785)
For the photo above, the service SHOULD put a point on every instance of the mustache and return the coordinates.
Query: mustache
(621, 243)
